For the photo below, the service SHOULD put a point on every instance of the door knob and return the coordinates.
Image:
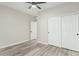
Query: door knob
(77, 34)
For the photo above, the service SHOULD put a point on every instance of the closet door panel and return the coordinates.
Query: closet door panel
(54, 31)
(69, 32)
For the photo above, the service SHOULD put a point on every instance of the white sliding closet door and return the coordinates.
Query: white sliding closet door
(54, 36)
(33, 30)
(70, 34)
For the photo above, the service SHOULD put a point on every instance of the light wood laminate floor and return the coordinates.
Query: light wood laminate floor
(33, 48)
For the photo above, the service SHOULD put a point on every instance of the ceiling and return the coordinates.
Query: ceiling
(22, 6)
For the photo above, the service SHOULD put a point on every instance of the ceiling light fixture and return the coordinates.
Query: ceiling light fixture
(33, 6)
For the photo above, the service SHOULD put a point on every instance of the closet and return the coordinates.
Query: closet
(63, 31)
(70, 32)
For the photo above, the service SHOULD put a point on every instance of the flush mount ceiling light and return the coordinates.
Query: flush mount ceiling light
(35, 4)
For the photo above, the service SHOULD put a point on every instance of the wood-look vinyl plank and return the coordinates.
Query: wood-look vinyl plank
(33, 48)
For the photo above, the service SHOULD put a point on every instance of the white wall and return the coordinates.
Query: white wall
(47, 14)
(14, 26)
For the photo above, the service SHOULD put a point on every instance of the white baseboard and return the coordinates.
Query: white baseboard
(20, 43)
(12, 44)
(43, 42)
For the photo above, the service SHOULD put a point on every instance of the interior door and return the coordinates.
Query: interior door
(70, 32)
(33, 30)
(54, 31)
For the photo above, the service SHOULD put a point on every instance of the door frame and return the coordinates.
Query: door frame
(61, 23)
(31, 30)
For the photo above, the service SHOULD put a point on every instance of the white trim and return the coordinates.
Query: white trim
(66, 14)
(43, 42)
(70, 13)
(12, 44)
